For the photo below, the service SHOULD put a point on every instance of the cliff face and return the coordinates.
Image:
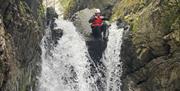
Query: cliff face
(21, 31)
(154, 43)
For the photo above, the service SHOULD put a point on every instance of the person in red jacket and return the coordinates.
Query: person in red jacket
(97, 24)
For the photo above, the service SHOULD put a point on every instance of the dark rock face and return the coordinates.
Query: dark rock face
(158, 74)
(34, 5)
(96, 48)
(21, 31)
(50, 16)
(150, 52)
(56, 35)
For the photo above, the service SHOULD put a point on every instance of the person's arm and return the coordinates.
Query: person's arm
(105, 18)
(91, 19)
(56, 15)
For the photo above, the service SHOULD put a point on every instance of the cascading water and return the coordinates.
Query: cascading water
(68, 66)
(111, 59)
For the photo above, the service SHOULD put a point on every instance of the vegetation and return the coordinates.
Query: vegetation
(67, 5)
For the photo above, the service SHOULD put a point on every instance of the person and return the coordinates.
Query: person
(98, 25)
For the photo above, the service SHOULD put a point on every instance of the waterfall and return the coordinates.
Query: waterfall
(111, 59)
(66, 66)
(66, 69)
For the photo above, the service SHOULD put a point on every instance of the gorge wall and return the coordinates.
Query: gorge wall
(151, 53)
(21, 31)
(151, 49)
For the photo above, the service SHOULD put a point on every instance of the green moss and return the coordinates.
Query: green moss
(170, 14)
(126, 8)
(8, 17)
(22, 9)
(1, 67)
(65, 3)
(68, 6)
(135, 25)
(143, 12)
(41, 10)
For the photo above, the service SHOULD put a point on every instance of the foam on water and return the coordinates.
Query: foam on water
(111, 59)
(68, 66)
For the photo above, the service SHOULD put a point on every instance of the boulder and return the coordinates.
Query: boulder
(56, 35)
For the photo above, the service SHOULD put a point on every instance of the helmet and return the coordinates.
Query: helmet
(98, 11)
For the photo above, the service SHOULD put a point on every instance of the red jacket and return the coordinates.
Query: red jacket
(96, 21)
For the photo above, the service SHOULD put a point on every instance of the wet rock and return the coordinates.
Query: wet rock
(81, 21)
(56, 35)
(20, 36)
(51, 15)
(150, 52)
(96, 46)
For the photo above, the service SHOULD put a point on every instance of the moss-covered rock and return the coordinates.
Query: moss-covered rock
(21, 30)
(155, 29)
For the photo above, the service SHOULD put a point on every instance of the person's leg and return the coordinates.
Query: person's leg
(94, 33)
(103, 29)
(47, 22)
(97, 31)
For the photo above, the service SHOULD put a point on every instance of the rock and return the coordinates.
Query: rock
(150, 53)
(2, 45)
(20, 36)
(56, 35)
(50, 15)
(81, 21)
(73, 6)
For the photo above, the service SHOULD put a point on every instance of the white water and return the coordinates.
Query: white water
(111, 59)
(67, 69)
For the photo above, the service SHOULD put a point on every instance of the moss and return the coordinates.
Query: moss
(8, 17)
(127, 7)
(2, 67)
(170, 14)
(21, 7)
(135, 25)
(175, 35)
(163, 14)
(41, 11)
(67, 5)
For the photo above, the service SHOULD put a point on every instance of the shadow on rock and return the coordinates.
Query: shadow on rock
(96, 48)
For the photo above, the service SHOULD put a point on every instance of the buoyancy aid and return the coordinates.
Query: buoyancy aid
(97, 21)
